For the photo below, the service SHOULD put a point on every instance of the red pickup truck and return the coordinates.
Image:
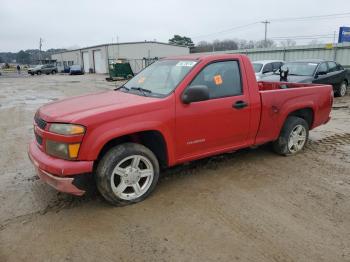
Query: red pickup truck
(174, 111)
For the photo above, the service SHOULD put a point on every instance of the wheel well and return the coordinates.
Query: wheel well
(153, 140)
(306, 113)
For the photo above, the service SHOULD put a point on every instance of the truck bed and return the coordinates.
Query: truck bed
(280, 98)
(266, 86)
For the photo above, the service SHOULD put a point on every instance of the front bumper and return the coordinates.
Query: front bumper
(63, 175)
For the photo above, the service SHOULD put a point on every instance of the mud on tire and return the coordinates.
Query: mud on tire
(289, 134)
(120, 159)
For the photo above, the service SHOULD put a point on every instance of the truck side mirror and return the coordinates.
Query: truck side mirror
(195, 94)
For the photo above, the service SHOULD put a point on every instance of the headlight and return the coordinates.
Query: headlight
(62, 150)
(67, 129)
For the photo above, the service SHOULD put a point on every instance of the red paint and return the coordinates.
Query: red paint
(190, 131)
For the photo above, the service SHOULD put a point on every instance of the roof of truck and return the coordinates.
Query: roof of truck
(200, 56)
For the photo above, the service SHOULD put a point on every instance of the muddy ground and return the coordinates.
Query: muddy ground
(252, 205)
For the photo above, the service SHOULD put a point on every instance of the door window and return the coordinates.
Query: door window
(222, 78)
(276, 66)
(322, 68)
(267, 68)
(332, 67)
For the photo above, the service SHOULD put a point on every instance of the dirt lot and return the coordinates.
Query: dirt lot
(248, 206)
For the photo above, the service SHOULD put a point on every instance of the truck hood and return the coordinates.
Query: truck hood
(292, 79)
(76, 109)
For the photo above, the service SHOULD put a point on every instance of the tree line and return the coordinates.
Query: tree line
(29, 56)
(231, 44)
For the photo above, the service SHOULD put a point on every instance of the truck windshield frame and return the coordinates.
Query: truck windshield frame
(160, 78)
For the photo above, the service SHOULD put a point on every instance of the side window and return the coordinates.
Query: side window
(222, 78)
(268, 68)
(322, 68)
(276, 66)
(339, 67)
(332, 67)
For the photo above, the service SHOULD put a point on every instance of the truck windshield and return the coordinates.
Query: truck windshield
(257, 67)
(160, 78)
(301, 68)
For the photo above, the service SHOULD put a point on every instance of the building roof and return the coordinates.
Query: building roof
(124, 43)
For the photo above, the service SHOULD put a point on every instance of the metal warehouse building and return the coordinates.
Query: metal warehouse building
(337, 52)
(97, 58)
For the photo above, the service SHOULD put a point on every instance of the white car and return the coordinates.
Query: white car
(265, 68)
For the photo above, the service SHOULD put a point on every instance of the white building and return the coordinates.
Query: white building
(97, 58)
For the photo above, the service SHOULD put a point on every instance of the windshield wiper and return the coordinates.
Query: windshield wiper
(121, 87)
(142, 90)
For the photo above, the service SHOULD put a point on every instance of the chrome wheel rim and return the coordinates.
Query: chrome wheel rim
(297, 139)
(132, 177)
(343, 89)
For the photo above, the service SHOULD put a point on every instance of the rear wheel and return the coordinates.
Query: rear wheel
(341, 91)
(293, 137)
(127, 174)
(38, 73)
(53, 72)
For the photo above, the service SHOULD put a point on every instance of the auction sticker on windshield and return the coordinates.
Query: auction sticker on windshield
(186, 63)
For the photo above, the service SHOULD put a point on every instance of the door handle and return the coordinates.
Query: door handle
(240, 105)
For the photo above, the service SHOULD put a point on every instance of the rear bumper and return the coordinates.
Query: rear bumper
(61, 174)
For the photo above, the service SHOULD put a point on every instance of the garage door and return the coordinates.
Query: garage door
(98, 62)
(86, 62)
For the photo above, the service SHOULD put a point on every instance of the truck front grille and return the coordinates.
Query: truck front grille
(40, 122)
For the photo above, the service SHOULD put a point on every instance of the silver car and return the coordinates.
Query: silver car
(265, 68)
(42, 69)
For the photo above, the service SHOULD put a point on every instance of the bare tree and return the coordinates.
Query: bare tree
(288, 43)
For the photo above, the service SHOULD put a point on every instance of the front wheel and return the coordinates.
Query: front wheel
(127, 174)
(293, 137)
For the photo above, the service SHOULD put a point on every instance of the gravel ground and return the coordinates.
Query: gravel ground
(251, 205)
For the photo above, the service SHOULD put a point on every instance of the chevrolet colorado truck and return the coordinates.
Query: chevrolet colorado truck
(176, 110)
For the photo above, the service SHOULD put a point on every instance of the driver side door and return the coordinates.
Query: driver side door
(222, 122)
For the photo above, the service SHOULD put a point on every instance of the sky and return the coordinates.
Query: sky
(81, 23)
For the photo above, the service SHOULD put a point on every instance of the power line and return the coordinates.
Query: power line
(343, 15)
(295, 19)
(302, 37)
(227, 30)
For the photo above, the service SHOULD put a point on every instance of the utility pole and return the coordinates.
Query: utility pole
(266, 23)
(40, 45)
(117, 47)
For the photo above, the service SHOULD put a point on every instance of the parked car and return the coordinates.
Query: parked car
(76, 70)
(174, 111)
(316, 71)
(42, 69)
(66, 69)
(265, 68)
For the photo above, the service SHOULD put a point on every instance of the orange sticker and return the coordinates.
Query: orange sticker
(141, 80)
(217, 80)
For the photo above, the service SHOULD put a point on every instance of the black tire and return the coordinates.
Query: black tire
(341, 89)
(111, 159)
(280, 146)
(53, 72)
(38, 73)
